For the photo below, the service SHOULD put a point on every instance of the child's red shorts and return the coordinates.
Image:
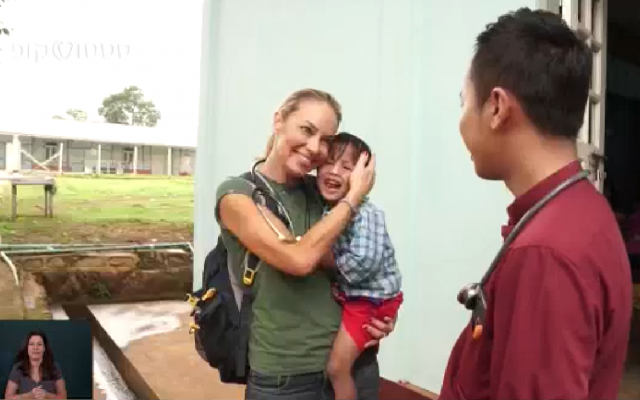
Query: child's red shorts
(358, 312)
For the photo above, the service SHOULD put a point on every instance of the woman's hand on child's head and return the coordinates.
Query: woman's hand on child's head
(362, 178)
(379, 330)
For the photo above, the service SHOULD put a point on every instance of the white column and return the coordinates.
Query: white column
(99, 167)
(60, 155)
(135, 160)
(169, 160)
(14, 154)
(205, 226)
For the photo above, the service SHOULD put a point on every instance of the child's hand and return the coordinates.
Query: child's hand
(337, 294)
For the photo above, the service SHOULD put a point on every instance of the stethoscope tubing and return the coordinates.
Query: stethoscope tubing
(527, 217)
(270, 193)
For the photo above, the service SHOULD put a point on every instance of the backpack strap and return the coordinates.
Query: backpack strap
(250, 269)
(251, 260)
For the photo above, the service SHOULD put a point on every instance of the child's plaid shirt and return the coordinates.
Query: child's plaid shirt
(365, 257)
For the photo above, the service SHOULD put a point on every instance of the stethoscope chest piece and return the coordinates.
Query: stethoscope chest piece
(468, 295)
(472, 298)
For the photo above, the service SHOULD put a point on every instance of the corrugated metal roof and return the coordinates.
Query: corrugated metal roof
(99, 132)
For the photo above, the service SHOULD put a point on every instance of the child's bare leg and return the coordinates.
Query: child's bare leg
(343, 354)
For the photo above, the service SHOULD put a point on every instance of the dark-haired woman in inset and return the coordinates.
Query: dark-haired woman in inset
(35, 374)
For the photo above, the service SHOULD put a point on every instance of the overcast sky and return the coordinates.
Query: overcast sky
(72, 53)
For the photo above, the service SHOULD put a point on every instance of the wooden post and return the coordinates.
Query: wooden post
(47, 200)
(14, 201)
(169, 159)
(50, 191)
(99, 168)
(135, 160)
(60, 154)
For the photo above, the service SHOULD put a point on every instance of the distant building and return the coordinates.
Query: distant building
(90, 147)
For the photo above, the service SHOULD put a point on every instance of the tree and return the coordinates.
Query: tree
(77, 115)
(3, 31)
(129, 107)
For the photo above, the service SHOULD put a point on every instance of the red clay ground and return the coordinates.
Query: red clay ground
(47, 231)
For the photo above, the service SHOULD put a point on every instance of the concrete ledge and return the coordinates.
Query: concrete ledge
(93, 278)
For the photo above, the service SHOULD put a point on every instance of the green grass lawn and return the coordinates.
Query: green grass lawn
(113, 208)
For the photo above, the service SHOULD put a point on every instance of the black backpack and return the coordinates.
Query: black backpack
(221, 325)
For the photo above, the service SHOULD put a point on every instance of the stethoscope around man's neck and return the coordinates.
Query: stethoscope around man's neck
(472, 295)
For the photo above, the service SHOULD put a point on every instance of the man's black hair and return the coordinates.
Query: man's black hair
(342, 140)
(535, 56)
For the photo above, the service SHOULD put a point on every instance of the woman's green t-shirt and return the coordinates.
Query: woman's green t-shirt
(295, 319)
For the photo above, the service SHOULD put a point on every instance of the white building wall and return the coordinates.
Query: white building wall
(158, 160)
(176, 155)
(82, 156)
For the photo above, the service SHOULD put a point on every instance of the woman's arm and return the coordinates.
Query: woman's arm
(61, 391)
(328, 260)
(11, 391)
(240, 215)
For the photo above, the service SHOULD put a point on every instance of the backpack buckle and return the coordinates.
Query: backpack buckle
(193, 300)
(193, 327)
(249, 275)
(210, 293)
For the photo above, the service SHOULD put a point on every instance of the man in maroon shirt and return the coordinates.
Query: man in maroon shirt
(559, 303)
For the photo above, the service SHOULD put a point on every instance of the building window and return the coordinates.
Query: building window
(127, 155)
(50, 150)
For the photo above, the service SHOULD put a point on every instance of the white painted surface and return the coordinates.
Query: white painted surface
(397, 68)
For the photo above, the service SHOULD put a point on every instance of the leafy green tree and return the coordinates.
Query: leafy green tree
(77, 115)
(129, 107)
(3, 30)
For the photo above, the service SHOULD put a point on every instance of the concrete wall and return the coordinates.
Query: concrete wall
(82, 156)
(397, 67)
(92, 278)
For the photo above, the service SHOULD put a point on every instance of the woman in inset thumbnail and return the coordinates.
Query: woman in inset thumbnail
(35, 374)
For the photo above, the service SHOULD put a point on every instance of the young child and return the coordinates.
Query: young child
(368, 276)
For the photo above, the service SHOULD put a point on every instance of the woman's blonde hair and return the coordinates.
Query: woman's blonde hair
(292, 103)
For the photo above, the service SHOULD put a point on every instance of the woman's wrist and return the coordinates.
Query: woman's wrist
(353, 199)
(350, 203)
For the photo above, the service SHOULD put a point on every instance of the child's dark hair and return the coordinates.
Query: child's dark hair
(342, 140)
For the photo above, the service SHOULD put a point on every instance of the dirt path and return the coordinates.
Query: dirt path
(55, 231)
(11, 306)
(171, 366)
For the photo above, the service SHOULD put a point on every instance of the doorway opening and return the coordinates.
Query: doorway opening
(622, 154)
